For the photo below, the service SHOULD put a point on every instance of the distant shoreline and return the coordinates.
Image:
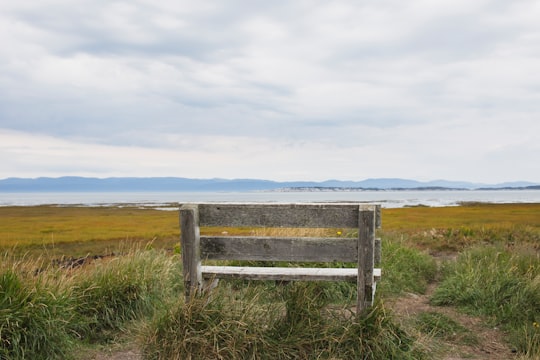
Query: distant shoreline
(422, 188)
(387, 198)
(176, 184)
(277, 190)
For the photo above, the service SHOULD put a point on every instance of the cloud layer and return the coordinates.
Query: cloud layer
(280, 90)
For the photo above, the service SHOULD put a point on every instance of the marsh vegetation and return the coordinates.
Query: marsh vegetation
(461, 280)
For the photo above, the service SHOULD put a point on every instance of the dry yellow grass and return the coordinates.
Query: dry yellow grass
(468, 215)
(89, 230)
(82, 230)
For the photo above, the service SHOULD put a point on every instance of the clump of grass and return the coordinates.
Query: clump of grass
(34, 318)
(47, 311)
(501, 284)
(200, 329)
(404, 269)
(443, 327)
(110, 294)
(299, 326)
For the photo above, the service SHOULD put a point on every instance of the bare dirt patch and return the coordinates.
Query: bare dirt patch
(123, 352)
(490, 346)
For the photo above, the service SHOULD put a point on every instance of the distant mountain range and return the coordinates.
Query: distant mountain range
(151, 184)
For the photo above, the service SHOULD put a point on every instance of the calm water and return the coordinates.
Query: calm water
(388, 199)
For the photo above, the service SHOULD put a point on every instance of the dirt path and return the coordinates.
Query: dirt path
(125, 352)
(490, 346)
(120, 355)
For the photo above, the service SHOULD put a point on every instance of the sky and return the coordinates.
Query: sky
(278, 90)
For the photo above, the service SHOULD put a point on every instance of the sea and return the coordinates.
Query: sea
(164, 200)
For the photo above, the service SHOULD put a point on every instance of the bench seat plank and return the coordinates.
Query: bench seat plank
(283, 273)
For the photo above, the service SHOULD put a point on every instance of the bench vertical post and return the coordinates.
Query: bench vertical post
(191, 253)
(366, 241)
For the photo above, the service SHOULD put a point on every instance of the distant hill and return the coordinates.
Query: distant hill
(153, 184)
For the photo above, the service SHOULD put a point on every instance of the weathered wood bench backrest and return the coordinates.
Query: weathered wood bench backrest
(362, 250)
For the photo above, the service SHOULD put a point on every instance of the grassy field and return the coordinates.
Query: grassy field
(455, 279)
(78, 231)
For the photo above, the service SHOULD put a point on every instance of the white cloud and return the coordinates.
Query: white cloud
(280, 90)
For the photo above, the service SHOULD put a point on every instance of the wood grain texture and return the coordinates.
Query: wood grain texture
(310, 215)
(190, 244)
(366, 243)
(279, 249)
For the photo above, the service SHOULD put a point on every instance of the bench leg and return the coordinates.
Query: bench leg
(366, 244)
(191, 256)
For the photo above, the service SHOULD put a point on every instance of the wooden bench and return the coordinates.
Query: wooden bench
(363, 250)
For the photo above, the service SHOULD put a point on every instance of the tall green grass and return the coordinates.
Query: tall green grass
(122, 289)
(500, 283)
(46, 312)
(404, 269)
(34, 319)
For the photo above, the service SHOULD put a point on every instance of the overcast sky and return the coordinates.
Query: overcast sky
(281, 90)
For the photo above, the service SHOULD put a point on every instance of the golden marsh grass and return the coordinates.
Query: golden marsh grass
(73, 230)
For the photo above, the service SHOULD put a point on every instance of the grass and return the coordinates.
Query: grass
(454, 229)
(472, 216)
(248, 327)
(441, 326)
(79, 231)
(500, 284)
(96, 229)
(49, 312)
(405, 269)
(122, 289)
(484, 258)
(33, 319)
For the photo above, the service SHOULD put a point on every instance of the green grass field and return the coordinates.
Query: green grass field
(480, 261)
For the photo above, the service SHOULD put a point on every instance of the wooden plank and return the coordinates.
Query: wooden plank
(366, 240)
(282, 273)
(311, 215)
(279, 249)
(190, 243)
